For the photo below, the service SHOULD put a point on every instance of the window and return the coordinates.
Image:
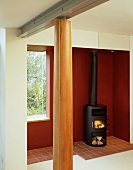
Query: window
(36, 85)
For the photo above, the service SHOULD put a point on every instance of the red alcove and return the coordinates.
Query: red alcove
(113, 90)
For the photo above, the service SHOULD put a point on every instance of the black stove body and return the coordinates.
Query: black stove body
(95, 117)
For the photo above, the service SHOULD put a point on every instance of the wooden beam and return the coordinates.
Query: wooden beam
(36, 48)
(63, 102)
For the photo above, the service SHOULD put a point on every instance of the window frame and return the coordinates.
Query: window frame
(40, 48)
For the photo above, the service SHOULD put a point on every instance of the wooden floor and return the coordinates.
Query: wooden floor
(114, 145)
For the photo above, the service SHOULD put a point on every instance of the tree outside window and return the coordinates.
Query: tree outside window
(36, 84)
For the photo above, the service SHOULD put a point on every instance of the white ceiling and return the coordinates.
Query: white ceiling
(15, 13)
(114, 16)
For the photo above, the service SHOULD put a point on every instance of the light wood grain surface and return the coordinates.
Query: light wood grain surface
(62, 101)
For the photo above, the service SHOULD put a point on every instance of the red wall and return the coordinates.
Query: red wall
(105, 85)
(110, 76)
(121, 95)
(80, 89)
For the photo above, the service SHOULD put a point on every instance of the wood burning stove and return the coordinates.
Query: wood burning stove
(95, 117)
(95, 125)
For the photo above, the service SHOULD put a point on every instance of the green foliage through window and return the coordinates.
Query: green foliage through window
(36, 83)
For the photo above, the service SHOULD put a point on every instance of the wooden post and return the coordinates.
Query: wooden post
(63, 101)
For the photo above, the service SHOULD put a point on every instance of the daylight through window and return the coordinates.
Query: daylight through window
(36, 85)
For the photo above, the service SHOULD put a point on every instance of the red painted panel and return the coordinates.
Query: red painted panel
(121, 115)
(39, 134)
(80, 89)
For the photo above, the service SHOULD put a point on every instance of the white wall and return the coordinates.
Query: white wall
(80, 38)
(2, 97)
(131, 89)
(45, 37)
(113, 41)
(84, 39)
(14, 126)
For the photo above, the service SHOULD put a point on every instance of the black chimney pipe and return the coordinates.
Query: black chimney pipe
(93, 78)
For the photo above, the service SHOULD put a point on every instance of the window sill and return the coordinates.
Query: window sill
(37, 118)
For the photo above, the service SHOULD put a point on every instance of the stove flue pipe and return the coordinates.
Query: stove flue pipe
(93, 78)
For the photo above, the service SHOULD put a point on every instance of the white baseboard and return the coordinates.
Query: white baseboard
(131, 141)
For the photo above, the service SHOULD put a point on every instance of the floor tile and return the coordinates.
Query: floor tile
(114, 145)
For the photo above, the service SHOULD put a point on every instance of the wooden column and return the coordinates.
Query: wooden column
(63, 102)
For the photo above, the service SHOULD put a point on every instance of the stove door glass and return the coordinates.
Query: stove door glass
(98, 124)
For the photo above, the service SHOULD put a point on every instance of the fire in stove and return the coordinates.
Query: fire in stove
(99, 124)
